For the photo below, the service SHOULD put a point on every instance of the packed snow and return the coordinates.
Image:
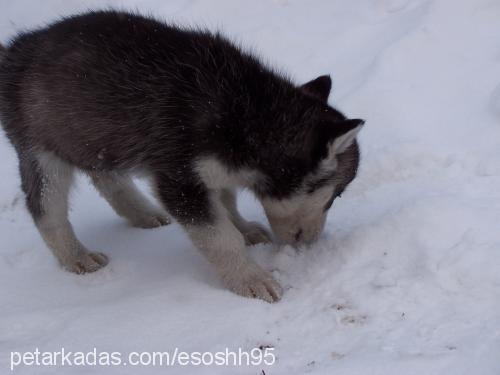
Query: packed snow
(405, 278)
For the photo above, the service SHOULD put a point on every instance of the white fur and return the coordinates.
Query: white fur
(338, 146)
(217, 176)
(303, 212)
(253, 232)
(224, 246)
(54, 225)
(127, 201)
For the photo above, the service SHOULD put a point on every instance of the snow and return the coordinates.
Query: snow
(406, 277)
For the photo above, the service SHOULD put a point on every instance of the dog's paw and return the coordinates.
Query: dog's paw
(87, 262)
(255, 233)
(255, 283)
(149, 220)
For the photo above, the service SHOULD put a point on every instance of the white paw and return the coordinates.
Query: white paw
(149, 219)
(255, 233)
(254, 282)
(86, 262)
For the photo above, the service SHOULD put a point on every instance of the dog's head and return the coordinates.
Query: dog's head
(317, 164)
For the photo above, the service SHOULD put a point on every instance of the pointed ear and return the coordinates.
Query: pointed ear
(349, 130)
(333, 138)
(319, 87)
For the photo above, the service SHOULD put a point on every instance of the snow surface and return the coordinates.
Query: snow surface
(405, 279)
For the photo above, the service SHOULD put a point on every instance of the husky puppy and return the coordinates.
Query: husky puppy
(112, 94)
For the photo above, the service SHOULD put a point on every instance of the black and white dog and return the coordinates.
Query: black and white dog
(115, 94)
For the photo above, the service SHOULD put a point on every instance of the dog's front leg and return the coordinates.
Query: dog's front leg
(253, 232)
(224, 247)
(209, 226)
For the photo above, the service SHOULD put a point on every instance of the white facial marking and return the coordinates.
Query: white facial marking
(300, 218)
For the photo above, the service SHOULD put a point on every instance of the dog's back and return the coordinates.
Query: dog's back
(87, 77)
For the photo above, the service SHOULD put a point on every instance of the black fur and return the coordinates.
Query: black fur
(116, 91)
(319, 87)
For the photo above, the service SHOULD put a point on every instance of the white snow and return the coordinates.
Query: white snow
(405, 279)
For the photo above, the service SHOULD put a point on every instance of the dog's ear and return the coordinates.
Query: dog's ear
(318, 88)
(347, 132)
(333, 138)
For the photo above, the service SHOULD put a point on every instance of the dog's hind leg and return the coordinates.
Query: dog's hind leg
(252, 231)
(46, 181)
(127, 201)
